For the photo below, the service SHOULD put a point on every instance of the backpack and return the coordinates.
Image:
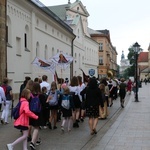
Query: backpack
(65, 101)
(15, 112)
(5, 89)
(35, 104)
(54, 100)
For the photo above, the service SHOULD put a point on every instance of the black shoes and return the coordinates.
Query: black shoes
(75, 125)
(111, 104)
(93, 132)
(54, 127)
(38, 142)
(29, 138)
(49, 125)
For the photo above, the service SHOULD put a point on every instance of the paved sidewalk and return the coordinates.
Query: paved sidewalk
(131, 130)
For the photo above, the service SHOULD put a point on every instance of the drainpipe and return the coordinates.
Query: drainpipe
(71, 66)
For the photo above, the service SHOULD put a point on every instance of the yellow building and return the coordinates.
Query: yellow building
(107, 52)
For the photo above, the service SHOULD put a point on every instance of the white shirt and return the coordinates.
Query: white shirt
(45, 84)
(2, 95)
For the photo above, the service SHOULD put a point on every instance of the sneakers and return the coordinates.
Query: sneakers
(62, 129)
(45, 127)
(32, 146)
(9, 147)
(38, 142)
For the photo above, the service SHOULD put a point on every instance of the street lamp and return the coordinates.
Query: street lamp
(136, 48)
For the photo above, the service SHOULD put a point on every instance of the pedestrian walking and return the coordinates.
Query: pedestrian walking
(45, 107)
(9, 97)
(92, 102)
(104, 89)
(44, 83)
(24, 85)
(2, 97)
(67, 105)
(29, 85)
(122, 92)
(111, 92)
(82, 98)
(53, 103)
(75, 91)
(22, 122)
(129, 86)
(35, 103)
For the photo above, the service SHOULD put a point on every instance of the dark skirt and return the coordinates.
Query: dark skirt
(21, 127)
(38, 122)
(55, 107)
(122, 94)
(92, 111)
(66, 112)
(76, 101)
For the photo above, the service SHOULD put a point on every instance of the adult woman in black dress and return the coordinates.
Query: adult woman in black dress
(92, 102)
(122, 92)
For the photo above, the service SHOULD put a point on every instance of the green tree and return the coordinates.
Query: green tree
(131, 58)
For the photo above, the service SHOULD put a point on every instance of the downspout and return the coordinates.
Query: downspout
(71, 66)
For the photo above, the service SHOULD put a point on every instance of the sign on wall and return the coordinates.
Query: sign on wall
(91, 72)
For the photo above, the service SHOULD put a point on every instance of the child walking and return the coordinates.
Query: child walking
(22, 122)
(66, 104)
(53, 103)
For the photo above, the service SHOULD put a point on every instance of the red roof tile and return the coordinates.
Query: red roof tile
(143, 57)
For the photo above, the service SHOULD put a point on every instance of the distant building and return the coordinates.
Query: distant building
(124, 64)
(107, 52)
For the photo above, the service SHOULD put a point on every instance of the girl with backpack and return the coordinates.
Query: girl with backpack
(67, 105)
(22, 122)
(53, 103)
(75, 91)
(36, 98)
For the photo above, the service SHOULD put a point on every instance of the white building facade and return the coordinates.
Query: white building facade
(33, 31)
(85, 50)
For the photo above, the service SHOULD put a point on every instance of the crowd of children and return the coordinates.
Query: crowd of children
(69, 102)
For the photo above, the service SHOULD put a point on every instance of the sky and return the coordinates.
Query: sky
(127, 20)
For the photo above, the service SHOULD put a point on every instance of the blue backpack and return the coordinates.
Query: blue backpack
(35, 104)
(54, 100)
(65, 101)
(15, 112)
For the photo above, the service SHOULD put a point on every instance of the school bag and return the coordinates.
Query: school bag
(54, 100)
(35, 104)
(65, 101)
(16, 111)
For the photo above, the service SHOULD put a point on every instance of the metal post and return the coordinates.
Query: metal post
(136, 78)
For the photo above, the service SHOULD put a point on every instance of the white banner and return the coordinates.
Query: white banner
(44, 64)
(62, 60)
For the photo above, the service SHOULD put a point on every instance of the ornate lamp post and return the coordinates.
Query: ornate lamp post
(136, 48)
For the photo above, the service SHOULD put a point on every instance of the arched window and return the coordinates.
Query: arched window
(26, 38)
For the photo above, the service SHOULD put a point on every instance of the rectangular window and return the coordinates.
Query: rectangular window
(18, 46)
(100, 60)
(101, 46)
